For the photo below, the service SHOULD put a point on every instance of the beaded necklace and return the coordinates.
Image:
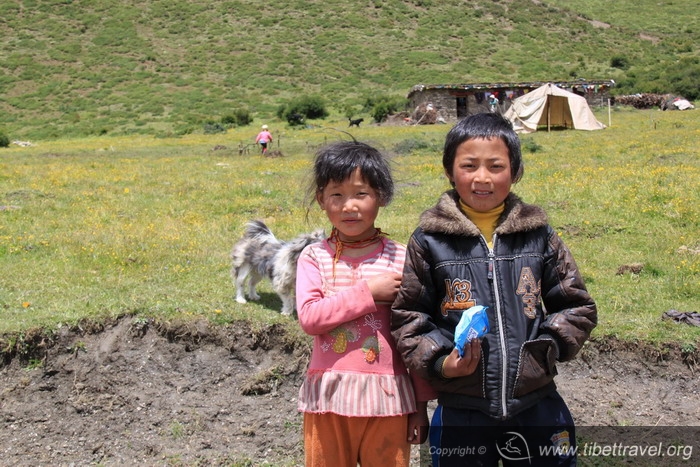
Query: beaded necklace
(351, 244)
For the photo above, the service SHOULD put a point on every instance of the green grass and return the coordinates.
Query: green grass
(96, 67)
(99, 227)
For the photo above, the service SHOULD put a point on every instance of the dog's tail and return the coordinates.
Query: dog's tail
(257, 229)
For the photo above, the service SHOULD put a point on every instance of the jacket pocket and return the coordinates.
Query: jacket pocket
(472, 385)
(536, 366)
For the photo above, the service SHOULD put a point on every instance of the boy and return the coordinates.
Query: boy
(481, 245)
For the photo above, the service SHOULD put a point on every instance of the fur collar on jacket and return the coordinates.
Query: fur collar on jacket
(447, 217)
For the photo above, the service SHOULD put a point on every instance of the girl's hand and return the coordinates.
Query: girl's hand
(384, 287)
(418, 424)
(455, 366)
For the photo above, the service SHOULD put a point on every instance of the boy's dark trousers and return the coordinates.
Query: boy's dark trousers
(542, 435)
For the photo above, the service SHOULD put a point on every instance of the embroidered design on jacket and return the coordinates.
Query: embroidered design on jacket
(458, 296)
(529, 289)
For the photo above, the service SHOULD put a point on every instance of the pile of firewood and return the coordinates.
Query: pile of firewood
(645, 100)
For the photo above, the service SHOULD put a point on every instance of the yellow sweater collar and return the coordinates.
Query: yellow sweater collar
(485, 221)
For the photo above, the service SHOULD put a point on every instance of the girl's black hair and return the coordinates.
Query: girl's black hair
(337, 161)
(484, 125)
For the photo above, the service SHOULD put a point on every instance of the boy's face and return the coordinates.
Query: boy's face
(481, 173)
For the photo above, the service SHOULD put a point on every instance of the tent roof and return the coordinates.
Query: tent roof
(551, 106)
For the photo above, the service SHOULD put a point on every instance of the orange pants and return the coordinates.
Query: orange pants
(332, 440)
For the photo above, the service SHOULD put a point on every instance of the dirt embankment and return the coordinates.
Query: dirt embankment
(134, 392)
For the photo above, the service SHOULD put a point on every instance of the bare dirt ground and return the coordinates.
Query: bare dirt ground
(134, 392)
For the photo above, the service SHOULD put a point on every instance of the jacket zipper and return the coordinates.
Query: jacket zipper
(501, 335)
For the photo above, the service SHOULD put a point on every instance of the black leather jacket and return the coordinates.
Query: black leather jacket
(538, 308)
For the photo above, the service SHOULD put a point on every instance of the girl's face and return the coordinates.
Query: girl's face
(351, 206)
(481, 173)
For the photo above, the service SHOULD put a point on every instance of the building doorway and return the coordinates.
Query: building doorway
(462, 108)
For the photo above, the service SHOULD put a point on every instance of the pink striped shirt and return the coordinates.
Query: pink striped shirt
(355, 369)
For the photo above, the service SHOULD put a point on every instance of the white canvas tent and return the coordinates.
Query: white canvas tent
(551, 106)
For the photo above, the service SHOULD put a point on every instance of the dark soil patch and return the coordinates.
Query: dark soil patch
(134, 392)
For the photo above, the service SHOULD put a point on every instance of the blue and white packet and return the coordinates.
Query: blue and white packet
(473, 324)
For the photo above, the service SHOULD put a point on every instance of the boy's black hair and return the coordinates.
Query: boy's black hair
(484, 125)
(337, 161)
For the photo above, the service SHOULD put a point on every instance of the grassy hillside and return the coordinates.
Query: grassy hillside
(93, 67)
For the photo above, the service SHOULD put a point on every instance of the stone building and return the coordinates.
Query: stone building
(455, 101)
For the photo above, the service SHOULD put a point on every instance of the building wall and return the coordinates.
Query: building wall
(451, 104)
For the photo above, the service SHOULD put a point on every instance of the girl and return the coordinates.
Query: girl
(264, 138)
(358, 400)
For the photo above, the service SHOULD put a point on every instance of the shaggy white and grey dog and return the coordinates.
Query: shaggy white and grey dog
(259, 254)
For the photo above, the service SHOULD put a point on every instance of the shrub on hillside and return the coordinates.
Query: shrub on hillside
(4, 141)
(228, 120)
(239, 117)
(304, 107)
(211, 128)
(619, 61)
(380, 107)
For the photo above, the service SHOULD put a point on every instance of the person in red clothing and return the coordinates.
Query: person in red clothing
(263, 138)
(360, 404)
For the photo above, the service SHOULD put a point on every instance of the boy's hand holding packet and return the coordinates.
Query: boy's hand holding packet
(472, 325)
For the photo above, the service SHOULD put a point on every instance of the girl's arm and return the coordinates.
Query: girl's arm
(319, 314)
